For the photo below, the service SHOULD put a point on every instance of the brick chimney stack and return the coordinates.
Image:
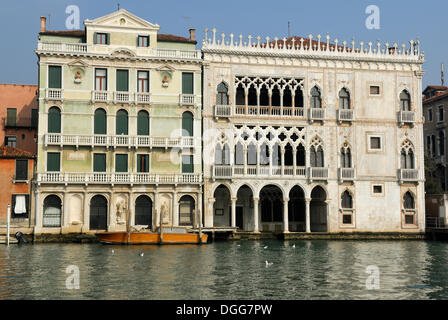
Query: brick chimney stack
(192, 34)
(43, 22)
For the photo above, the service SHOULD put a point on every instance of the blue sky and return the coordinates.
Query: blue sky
(400, 21)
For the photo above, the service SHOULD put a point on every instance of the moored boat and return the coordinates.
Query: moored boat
(169, 235)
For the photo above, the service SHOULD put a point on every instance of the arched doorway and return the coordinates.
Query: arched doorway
(222, 207)
(52, 212)
(143, 211)
(296, 210)
(186, 211)
(318, 210)
(271, 200)
(98, 213)
(244, 208)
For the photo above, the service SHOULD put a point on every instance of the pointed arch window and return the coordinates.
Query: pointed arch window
(240, 98)
(346, 200)
(344, 99)
(346, 158)
(239, 154)
(222, 96)
(317, 157)
(409, 209)
(407, 159)
(405, 101)
(316, 101)
(222, 155)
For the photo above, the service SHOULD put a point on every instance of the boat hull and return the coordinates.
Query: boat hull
(149, 238)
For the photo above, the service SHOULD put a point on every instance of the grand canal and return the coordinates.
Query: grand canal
(227, 270)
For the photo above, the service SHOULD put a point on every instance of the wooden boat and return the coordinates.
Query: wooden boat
(169, 235)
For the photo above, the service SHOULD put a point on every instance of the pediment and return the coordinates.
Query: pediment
(123, 52)
(78, 63)
(122, 19)
(166, 67)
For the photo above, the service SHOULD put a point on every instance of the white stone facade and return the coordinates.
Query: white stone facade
(292, 100)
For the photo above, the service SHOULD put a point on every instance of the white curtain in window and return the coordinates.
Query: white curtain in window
(20, 206)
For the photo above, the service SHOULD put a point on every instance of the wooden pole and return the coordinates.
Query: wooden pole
(8, 221)
(128, 226)
(160, 229)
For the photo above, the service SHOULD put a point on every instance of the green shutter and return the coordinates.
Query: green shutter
(94, 38)
(11, 117)
(187, 124)
(54, 120)
(100, 122)
(121, 163)
(122, 80)
(187, 164)
(143, 123)
(187, 83)
(21, 170)
(142, 163)
(121, 122)
(54, 77)
(107, 38)
(53, 161)
(34, 118)
(99, 162)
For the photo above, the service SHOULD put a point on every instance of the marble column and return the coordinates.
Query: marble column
(327, 208)
(37, 212)
(175, 211)
(307, 215)
(233, 213)
(285, 215)
(256, 218)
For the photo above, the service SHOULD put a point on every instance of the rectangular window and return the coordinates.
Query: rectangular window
(409, 218)
(143, 41)
(34, 118)
(101, 38)
(101, 79)
(11, 141)
(428, 144)
(99, 162)
(378, 189)
(430, 115)
(142, 163)
(187, 83)
(347, 218)
(20, 206)
(11, 117)
(441, 114)
(121, 163)
(21, 170)
(187, 164)
(143, 81)
(374, 90)
(375, 143)
(122, 80)
(53, 161)
(55, 77)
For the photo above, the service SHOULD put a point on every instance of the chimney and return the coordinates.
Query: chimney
(43, 22)
(192, 34)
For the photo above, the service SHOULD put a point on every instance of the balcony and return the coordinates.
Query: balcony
(54, 94)
(318, 173)
(408, 175)
(186, 99)
(117, 178)
(143, 98)
(117, 141)
(244, 171)
(347, 115)
(406, 117)
(222, 111)
(20, 122)
(122, 97)
(316, 114)
(265, 111)
(347, 174)
(100, 96)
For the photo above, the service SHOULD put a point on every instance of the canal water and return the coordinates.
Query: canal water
(314, 269)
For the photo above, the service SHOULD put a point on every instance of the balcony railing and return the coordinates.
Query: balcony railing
(117, 178)
(117, 141)
(265, 111)
(317, 114)
(223, 111)
(347, 174)
(54, 94)
(229, 171)
(20, 122)
(186, 99)
(346, 115)
(122, 97)
(100, 96)
(143, 97)
(318, 173)
(408, 175)
(406, 117)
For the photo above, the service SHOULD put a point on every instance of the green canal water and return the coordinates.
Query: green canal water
(316, 269)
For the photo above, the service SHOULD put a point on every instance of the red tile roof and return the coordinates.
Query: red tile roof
(70, 33)
(11, 152)
(173, 38)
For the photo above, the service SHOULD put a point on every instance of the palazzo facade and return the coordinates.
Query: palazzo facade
(308, 135)
(119, 127)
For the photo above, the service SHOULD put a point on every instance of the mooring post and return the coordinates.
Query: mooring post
(8, 221)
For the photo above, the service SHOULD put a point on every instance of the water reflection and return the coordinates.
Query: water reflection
(227, 270)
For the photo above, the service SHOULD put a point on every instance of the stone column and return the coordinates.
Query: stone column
(256, 219)
(200, 209)
(282, 160)
(86, 214)
(307, 215)
(327, 203)
(208, 217)
(175, 211)
(285, 215)
(64, 222)
(37, 212)
(111, 217)
(156, 216)
(294, 161)
(233, 213)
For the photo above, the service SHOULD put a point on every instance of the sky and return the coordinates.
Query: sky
(399, 21)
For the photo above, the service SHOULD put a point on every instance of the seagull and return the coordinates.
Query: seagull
(238, 245)
(265, 247)
(293, 245)
(268, 263)
(141, 254)
(113, 251)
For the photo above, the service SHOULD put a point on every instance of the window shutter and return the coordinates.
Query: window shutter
(138, 41)
(121, 163)
(100, 122)
(54, 120)
(34, 118)
(53, 161)
(122, 122)
(187, 83)
(99, 162)
(11, 117)
(107, 38)
(122, 80)
(54, 77)
(94, 38)
(187, 164)
(21, 170)
(187, 124)
(143, 123)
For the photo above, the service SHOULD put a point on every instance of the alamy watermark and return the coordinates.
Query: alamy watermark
(373, 20)
(72, 281)
(73, 20)
(373, 280)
